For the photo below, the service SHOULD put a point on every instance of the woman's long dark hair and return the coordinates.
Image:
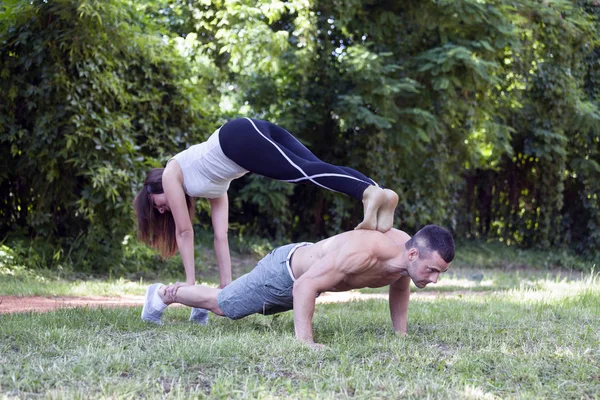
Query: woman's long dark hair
(156, 229)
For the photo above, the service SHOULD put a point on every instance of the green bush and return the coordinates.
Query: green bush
(93, 95)
(483, 116)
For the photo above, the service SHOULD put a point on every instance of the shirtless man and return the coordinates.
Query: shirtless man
(292, 276)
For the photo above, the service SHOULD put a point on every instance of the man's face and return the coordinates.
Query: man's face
(424, 270)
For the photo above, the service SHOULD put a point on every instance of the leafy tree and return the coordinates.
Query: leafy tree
(483, 116)
(93, 94)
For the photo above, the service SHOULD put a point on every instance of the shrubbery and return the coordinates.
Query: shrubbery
(92, 95)
(483, 116)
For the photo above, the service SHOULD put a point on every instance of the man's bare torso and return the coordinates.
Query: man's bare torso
(380, 267)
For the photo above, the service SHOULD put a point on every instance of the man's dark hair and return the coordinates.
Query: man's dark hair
(433, 238)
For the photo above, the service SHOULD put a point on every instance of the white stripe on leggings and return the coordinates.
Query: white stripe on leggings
(298, 167)
(340, 175)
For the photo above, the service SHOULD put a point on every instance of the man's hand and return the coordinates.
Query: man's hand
(399, 299)
(171, 290)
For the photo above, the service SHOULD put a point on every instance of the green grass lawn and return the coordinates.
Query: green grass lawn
(501, 327)
(538, 340)
(460, 277)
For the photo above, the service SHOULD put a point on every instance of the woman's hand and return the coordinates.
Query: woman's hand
(222, 285)
(171, 290)
(316, 346)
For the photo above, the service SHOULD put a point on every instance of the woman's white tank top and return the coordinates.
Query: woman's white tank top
(207, 171)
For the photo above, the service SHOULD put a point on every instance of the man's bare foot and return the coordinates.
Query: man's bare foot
(385, 214)
(373, 199)
(162, 294)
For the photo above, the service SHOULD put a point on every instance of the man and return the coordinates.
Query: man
(292, 276)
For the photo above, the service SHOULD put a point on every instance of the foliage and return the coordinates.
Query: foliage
(92, 95)
(43, 258)
(483, 116)
(478, 114)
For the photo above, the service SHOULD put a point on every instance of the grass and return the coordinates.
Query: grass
(496, 255)
(505, 332)
(541, 342)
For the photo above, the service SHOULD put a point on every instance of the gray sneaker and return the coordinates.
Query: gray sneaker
(150, 314)
(199, 316)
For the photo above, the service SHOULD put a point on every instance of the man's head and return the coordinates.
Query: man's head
(429, 252)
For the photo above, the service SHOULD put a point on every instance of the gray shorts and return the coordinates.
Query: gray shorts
(267, 289)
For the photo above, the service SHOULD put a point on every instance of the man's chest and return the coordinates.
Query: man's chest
(370, 279)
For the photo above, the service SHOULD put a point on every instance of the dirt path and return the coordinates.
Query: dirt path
(13, 304)
(17, 304)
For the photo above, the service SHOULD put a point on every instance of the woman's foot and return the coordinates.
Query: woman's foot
(385, 214)
(373, 199)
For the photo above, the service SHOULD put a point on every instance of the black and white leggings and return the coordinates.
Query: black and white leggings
(267, 149)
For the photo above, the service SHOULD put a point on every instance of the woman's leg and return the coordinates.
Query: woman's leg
(267, 149)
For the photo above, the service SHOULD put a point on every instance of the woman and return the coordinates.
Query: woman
(164, 206)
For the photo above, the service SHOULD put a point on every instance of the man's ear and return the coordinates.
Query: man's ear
(413, 254)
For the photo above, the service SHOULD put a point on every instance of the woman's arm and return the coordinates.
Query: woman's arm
(219, 208)
(173, 188)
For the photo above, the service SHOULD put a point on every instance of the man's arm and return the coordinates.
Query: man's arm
(322, 276)
(399, 298)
